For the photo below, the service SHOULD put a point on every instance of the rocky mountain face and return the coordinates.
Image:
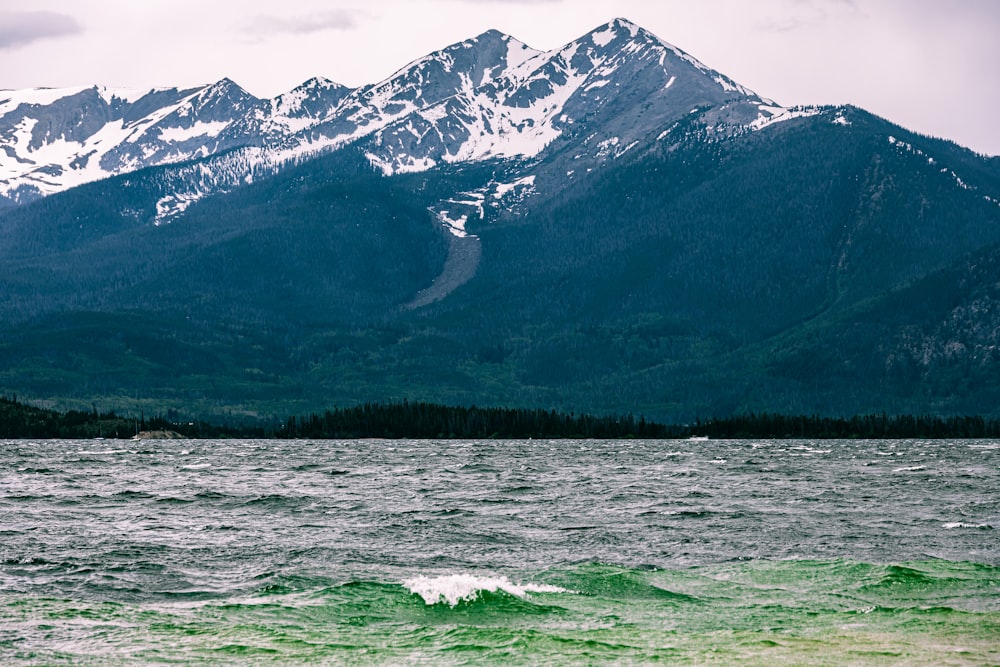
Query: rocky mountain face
(488, 97)
(611, 226)
(53, 140)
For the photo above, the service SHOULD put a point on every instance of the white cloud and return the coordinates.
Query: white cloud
(19, 29)
(338, 19)
(789, 15)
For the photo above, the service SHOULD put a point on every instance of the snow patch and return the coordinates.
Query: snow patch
(403, 164)
(11, 99)
(730, 86)
(518, 53)
(456, 226)
(503, 189)
(607, 146)
(436, 113)
(770, 114)
(199, 129)
(171, 206)
(667, 131)
(604, 37)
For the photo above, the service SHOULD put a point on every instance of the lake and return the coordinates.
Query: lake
(387, 552)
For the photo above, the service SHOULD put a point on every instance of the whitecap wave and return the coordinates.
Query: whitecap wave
(961, 524)
(455, 588)
(811, 450)
(910, 469)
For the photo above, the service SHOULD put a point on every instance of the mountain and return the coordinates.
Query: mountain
(488, 97)
(57, 139)
(537, 104)
(608, 227)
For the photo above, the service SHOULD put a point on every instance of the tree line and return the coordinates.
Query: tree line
(876, 427)
(429, 420)
(432, 421)
(19, 420)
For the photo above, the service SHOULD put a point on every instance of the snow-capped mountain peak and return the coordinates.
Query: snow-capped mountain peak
(490, 96)
(619, 78)
(55, 139)
(313, 99)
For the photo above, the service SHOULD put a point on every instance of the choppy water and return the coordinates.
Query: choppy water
(514, 553)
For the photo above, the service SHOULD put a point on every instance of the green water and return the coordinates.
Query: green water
(798, 612)
(436, 553)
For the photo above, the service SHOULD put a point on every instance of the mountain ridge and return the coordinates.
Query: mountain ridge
(485, 91)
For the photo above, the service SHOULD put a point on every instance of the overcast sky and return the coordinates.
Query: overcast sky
(929, 65)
